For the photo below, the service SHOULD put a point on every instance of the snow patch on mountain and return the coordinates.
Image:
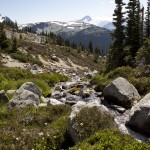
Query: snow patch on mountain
(104, 22)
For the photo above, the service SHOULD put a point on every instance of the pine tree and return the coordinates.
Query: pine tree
(4, 42)
(16, 25)
(147, 20)
(133, 27)
(14, 46)
(142, 26)
(91, 46)
(115, 57)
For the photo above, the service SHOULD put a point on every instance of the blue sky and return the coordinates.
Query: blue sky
(26, 11)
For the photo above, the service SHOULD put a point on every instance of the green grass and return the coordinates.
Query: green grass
(13, 78)
(28, 128)
(110, 140)
(26, 58)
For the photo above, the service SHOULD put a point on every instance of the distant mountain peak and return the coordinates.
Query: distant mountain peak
(5, 18)
(85, 19)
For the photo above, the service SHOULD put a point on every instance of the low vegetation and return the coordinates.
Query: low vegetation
(90, 120)
(26, 58)
(110, 140)
(141, 83)
(13, 78)
(32, 128)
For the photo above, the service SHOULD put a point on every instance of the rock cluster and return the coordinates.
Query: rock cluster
(118, 97)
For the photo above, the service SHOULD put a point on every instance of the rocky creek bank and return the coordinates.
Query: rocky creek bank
(120, 99)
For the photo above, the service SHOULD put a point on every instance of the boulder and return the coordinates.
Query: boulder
(72, 98)
(58, 94)
(71, 126)
(121, 92)
(36, 69)
(89, 75)
(54, 58)
(3, 97)
(27, 95)
(58, 88)
(85, 93)
(139, 118)
(53, 101)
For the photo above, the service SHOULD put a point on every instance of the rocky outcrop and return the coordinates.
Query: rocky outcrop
(139, 119)
(3, 97)
(121, 92)
(27, 95)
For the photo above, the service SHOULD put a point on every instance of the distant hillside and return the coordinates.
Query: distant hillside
(76, 32)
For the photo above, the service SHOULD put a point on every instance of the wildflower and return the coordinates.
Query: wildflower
(17, 139)
(81, 124)
(41, 133)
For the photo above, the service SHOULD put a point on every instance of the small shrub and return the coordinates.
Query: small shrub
(90, 120)
(142, 84)
(26, 58)
(100, 82)
(125, 72)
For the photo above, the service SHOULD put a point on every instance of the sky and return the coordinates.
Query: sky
(31, 11)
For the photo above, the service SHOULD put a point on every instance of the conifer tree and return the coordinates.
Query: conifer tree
(147, 20)
(4, 42)
(115, 56)
(142, 26)
(14, 46)
(133, 27)
(91, 46)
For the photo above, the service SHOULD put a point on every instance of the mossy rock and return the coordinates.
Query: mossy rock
(58, 88)
(73, 90)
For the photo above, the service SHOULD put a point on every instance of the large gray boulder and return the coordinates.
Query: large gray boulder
(121, 92)
(139, 118)
(72, 126)
(27, 95)
(3, 97)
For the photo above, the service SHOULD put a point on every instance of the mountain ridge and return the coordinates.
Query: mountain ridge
(73, 31)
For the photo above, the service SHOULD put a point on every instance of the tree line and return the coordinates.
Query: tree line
(132, 32)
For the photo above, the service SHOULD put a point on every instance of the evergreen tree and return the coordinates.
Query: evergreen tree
(4, 42)
(133, 27)
(91, 46)
(147, 20)
(115, 57)
(14, 46)
(142, 26)
(80, 48)
(16, 25)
